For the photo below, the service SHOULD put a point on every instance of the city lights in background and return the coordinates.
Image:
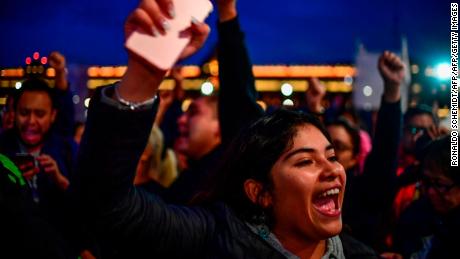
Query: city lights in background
(185, 104)
(262, 105)
(87, 100)
(442, 71)
(288, 102)
(18, 85)
(367, 90)
(286, 89)
(76, 99)
(207, 88)
(348, 80)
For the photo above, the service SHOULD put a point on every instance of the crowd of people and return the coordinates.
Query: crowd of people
(226, 178)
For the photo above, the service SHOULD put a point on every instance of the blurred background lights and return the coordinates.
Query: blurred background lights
(348, 80)
(286, 89)
(207, 88)
(288, 102)
(18, 85)
(76, 99)
(185, 104)
(87, 100)
(442, 71)
(367, 91)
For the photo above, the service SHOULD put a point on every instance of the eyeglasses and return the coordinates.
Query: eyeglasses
(414, 129)
(440, 187)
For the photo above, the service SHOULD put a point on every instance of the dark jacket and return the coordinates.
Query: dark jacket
(368, 197)
(423, 231)
(129, 217)
(26, 233)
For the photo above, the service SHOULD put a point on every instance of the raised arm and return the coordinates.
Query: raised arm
(383, 157)
(237, 93)
(377, 186)
(115, 136)
(65, 120)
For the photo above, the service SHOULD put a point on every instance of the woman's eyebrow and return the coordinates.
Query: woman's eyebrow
(305, 150)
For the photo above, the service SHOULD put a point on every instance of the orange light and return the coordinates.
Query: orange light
(28, 60)
(106, 71)
(44, 60)
(303, 71)
(119, 71)
(93, 71)
(36, 55)
(50, 72)
(190, 71)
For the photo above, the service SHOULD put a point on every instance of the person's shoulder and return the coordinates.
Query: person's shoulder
(353, 248)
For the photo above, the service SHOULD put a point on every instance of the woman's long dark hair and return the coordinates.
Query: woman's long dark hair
(252, 155)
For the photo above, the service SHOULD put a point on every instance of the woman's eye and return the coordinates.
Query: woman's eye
(333, 159)
(304, 163)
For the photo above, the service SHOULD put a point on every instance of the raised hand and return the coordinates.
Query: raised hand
(391, 69)
(57, 61)
(153, 16)
(142, 79)
(314, 95)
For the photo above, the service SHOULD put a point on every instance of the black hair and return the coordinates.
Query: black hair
(418, 110)
(252, 155)
(436, 154)
(35, 85)
(351, 130)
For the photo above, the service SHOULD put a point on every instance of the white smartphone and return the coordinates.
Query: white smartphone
(164, 50)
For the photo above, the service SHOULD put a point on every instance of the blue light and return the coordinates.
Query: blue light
(442, 71)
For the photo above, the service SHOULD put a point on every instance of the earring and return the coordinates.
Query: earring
(261, 224)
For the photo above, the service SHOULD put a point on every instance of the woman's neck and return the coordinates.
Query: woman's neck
(303, 248)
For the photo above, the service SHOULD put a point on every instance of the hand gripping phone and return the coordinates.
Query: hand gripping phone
(163, 51)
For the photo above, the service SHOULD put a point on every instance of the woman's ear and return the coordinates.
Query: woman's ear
(257, 194)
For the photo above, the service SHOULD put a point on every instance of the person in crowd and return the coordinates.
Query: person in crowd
(347, 142)
(45, 153)
(429, 227)
(8, 113)
(420, 125)
(199, 139)
(258, 218)
(157, 168)
(35, 113)
(211, 122)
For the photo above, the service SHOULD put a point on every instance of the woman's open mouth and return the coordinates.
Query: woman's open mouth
(327, 202)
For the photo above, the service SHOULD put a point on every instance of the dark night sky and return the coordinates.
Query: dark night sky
(277, 32)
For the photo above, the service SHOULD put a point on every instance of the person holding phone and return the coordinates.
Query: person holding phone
(44, 157)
